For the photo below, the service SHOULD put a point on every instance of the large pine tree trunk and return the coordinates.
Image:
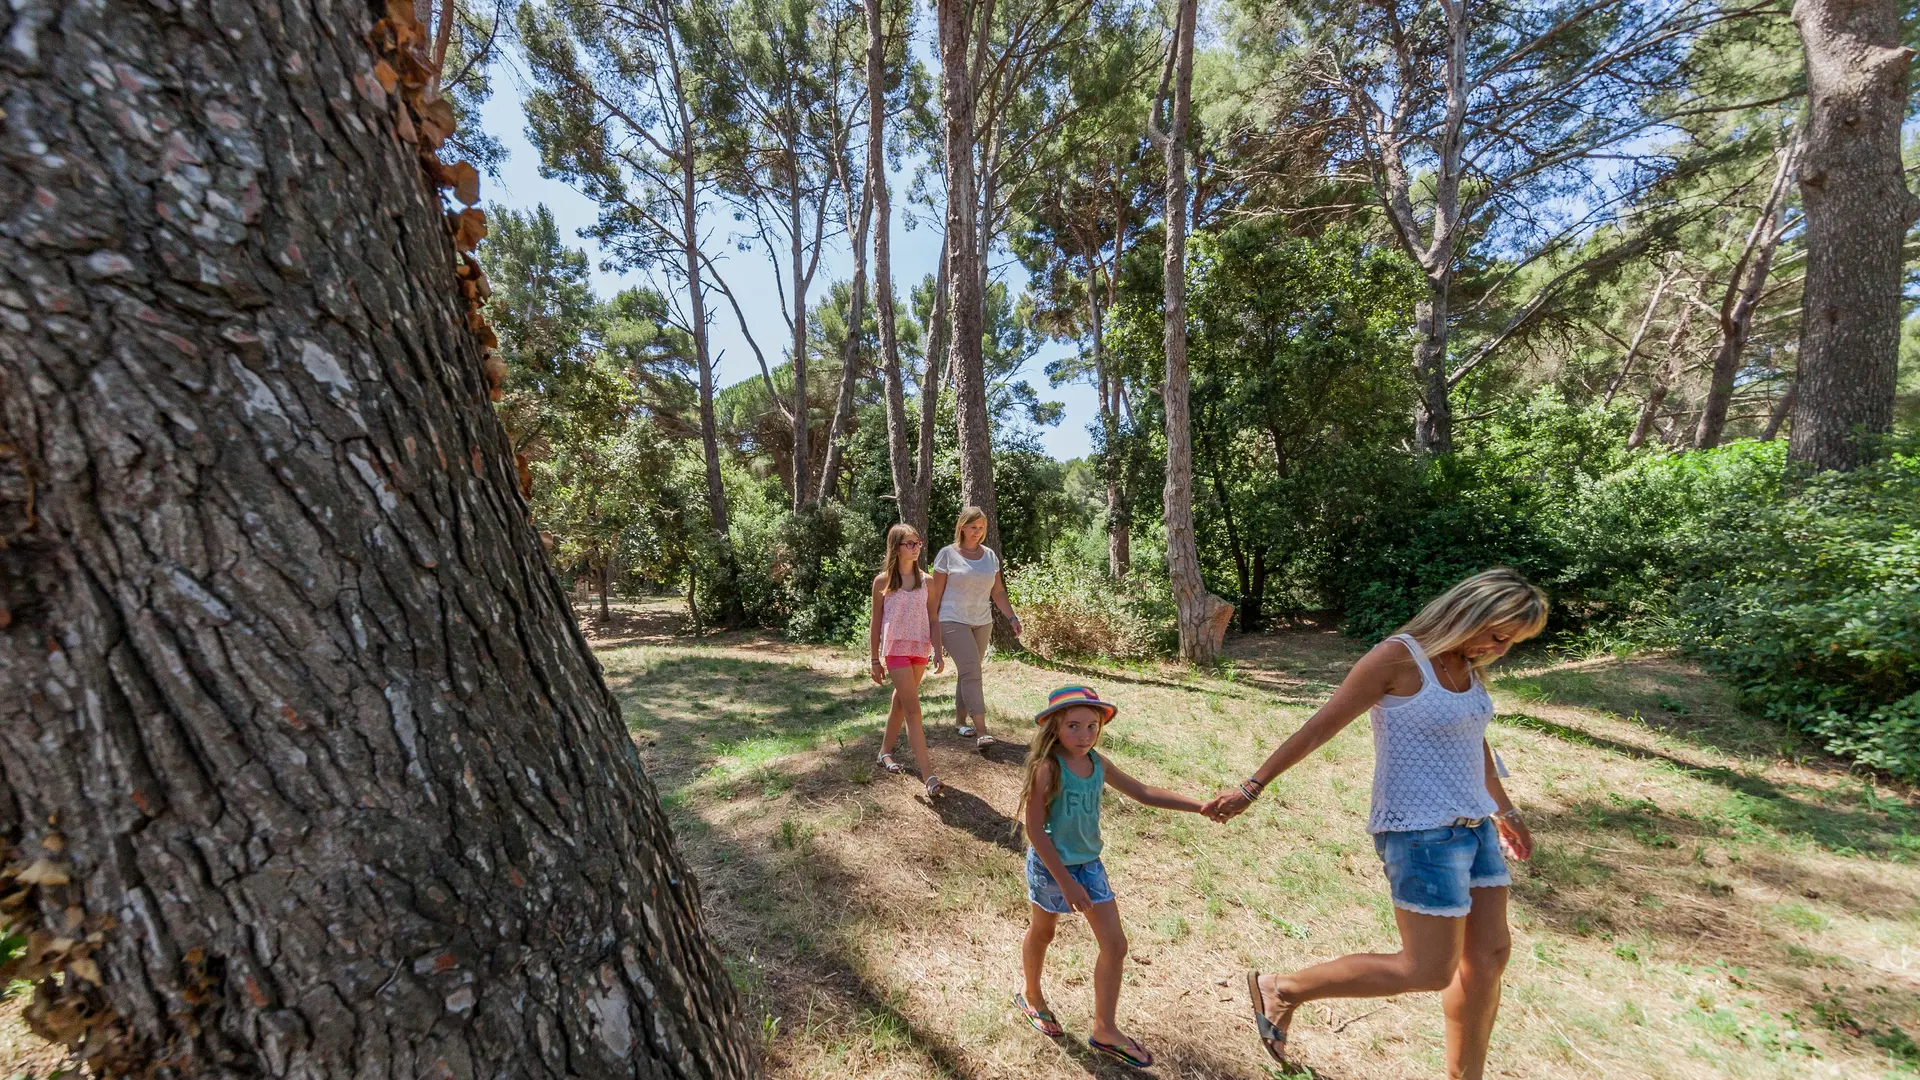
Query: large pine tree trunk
(293, 714)
(966, 308)
(802, 430)
(850, 348)
(1119, 549)
(1858, 210)
(1194, 605)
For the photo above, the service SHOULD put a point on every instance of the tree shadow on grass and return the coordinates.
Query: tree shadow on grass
(1767, 804)
(790, 921)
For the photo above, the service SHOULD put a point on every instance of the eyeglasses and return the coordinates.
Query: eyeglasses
(909, 543)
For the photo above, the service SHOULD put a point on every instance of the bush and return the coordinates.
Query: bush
(1813, 610)
(810, 574)
(1071, 609)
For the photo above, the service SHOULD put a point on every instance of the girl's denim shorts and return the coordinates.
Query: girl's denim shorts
(1043, 890)
(1431, 871)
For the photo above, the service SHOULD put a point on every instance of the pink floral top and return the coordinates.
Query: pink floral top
(903, 623)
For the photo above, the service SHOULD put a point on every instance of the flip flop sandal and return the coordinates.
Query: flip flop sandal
(935, 787)
(1124, 1054)
(1272, 1039)
(1042, 1020)
(985, 741)
(964, 731)
(886, 762)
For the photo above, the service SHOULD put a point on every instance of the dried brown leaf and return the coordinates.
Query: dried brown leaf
(44, 872)
(466, 183)
(388, 77)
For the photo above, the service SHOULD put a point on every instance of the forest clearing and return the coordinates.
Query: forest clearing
(1709, 899)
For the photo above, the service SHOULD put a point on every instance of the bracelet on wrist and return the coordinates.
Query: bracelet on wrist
(1250, 789)
(1509, 814)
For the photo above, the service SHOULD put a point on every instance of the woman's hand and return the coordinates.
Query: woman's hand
(1013, 621)
(1229, 804)
(939, 662)
(1076, 896)
(878, 672)
(1515, 839)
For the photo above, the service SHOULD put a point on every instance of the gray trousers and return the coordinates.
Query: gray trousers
(966, 648)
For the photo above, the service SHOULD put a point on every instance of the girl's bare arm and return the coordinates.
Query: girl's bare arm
(1147, 794)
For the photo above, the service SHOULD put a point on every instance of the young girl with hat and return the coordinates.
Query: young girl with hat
(1061, 809)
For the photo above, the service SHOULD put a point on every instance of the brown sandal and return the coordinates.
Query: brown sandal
(1273, 1039)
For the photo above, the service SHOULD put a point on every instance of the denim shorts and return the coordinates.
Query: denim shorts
(1043, 890)
(1431, 870)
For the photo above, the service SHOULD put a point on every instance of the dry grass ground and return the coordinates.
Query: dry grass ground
(1707, 901)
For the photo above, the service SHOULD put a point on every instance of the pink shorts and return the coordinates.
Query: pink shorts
(903, 661)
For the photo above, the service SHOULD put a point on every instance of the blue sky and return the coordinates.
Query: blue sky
(915, 253)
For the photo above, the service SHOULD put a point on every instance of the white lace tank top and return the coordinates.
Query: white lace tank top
(1428, 766)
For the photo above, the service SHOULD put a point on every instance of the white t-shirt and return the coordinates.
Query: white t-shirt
(969, 595)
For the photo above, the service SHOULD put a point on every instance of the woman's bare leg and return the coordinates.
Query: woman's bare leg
(1430, 947)
(1472, 1000)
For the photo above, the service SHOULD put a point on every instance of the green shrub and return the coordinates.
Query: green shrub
(1813, 609)
(1069, 608)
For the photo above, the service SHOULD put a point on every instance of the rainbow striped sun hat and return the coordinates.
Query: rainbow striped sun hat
(1066, 697)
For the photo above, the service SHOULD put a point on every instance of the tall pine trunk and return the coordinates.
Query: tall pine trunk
(966, 304)
(1119, 550)
(850, 349)
(1744, 288)
(1858, 209)
(1433, 409)
(1668, 374)
(906, 503)
(931, 382)
(293, 714)
(1194, 605)
(802, 431)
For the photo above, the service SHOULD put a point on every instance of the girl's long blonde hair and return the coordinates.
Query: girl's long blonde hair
(1040, 751)
(967, 517)
(895, 578)
(1496, 597)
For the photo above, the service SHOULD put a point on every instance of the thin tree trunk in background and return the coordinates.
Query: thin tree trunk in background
(1119, 557)
(1744, 288)
(930, 384)
(850, 349)
(966, 305)
(1858, 209)
(697, 315)
(336, 778)
(906, 505)
(1668, 374)
(1778, 416)
(1191, 599)
(1640, 333)
(604, 578)
(802, 430)
(1433, 410)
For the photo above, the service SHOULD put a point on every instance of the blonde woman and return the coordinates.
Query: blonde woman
(967, 587)
(1440, 817)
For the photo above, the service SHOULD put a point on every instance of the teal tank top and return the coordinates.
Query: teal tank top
(1073, 817)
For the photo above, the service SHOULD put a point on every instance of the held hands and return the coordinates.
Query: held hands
(1515, 839)
(1227, 805)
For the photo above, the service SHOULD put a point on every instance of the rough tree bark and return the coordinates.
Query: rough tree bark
(1196, 607)
(1858, 210)
(966, 305)
(1745, 285)
(310, 769)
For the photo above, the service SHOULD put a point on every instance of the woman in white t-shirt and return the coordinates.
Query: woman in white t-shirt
(967, 586)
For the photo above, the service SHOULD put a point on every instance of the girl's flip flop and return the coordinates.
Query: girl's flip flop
(886, 762)
(1131, 1054)
(1042, 1020)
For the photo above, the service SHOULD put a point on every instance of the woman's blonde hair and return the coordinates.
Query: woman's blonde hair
(1039, 752)
(967, 517)
(891, 568)
(1496, 597)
